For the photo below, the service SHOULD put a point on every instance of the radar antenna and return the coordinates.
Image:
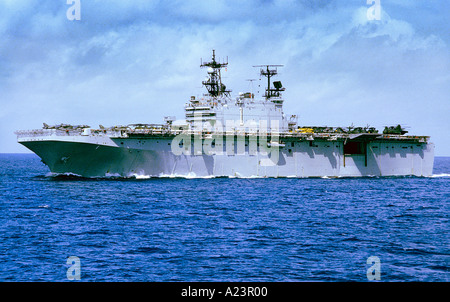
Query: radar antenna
(214, 83)
(270, 71)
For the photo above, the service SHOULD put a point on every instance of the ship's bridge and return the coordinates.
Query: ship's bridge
(228, 115)
(217, 111)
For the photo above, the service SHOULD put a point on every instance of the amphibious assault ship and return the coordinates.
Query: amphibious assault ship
(222, 136)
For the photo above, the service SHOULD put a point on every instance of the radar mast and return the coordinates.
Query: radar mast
(270, 71)
(214, 83)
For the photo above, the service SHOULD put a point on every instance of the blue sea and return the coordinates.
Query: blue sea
(222, 229)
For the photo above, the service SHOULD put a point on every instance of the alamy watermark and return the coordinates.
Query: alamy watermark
(374, 11)
(74, 11)
(234, 138)
(374, 271)
(74, 271)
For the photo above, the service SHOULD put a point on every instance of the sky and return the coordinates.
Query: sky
(360, 62)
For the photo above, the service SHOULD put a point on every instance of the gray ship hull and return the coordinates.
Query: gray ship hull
(153, 157)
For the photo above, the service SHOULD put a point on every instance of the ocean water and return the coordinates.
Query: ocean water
(176, 229)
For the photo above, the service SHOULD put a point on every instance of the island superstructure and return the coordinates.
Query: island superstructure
(222, 136)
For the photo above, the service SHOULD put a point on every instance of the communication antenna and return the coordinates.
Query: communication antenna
(269, 71)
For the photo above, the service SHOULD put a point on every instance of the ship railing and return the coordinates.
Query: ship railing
(33, 133)
(62, 132)
(47, 132)
(207, 133)
(235, 132)
(153, 131)
(419, 139)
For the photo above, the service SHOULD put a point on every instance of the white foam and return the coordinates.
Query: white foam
(440, 175)
(190, 175)
(111, 175)
(137, 176)
(53, 174)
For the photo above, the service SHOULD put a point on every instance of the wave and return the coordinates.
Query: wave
(139, 176)
(192, 175)
(63, 175)
(130, 176)
(439, 175)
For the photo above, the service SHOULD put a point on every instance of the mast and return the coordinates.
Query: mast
(214, 83)
(268, 72)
